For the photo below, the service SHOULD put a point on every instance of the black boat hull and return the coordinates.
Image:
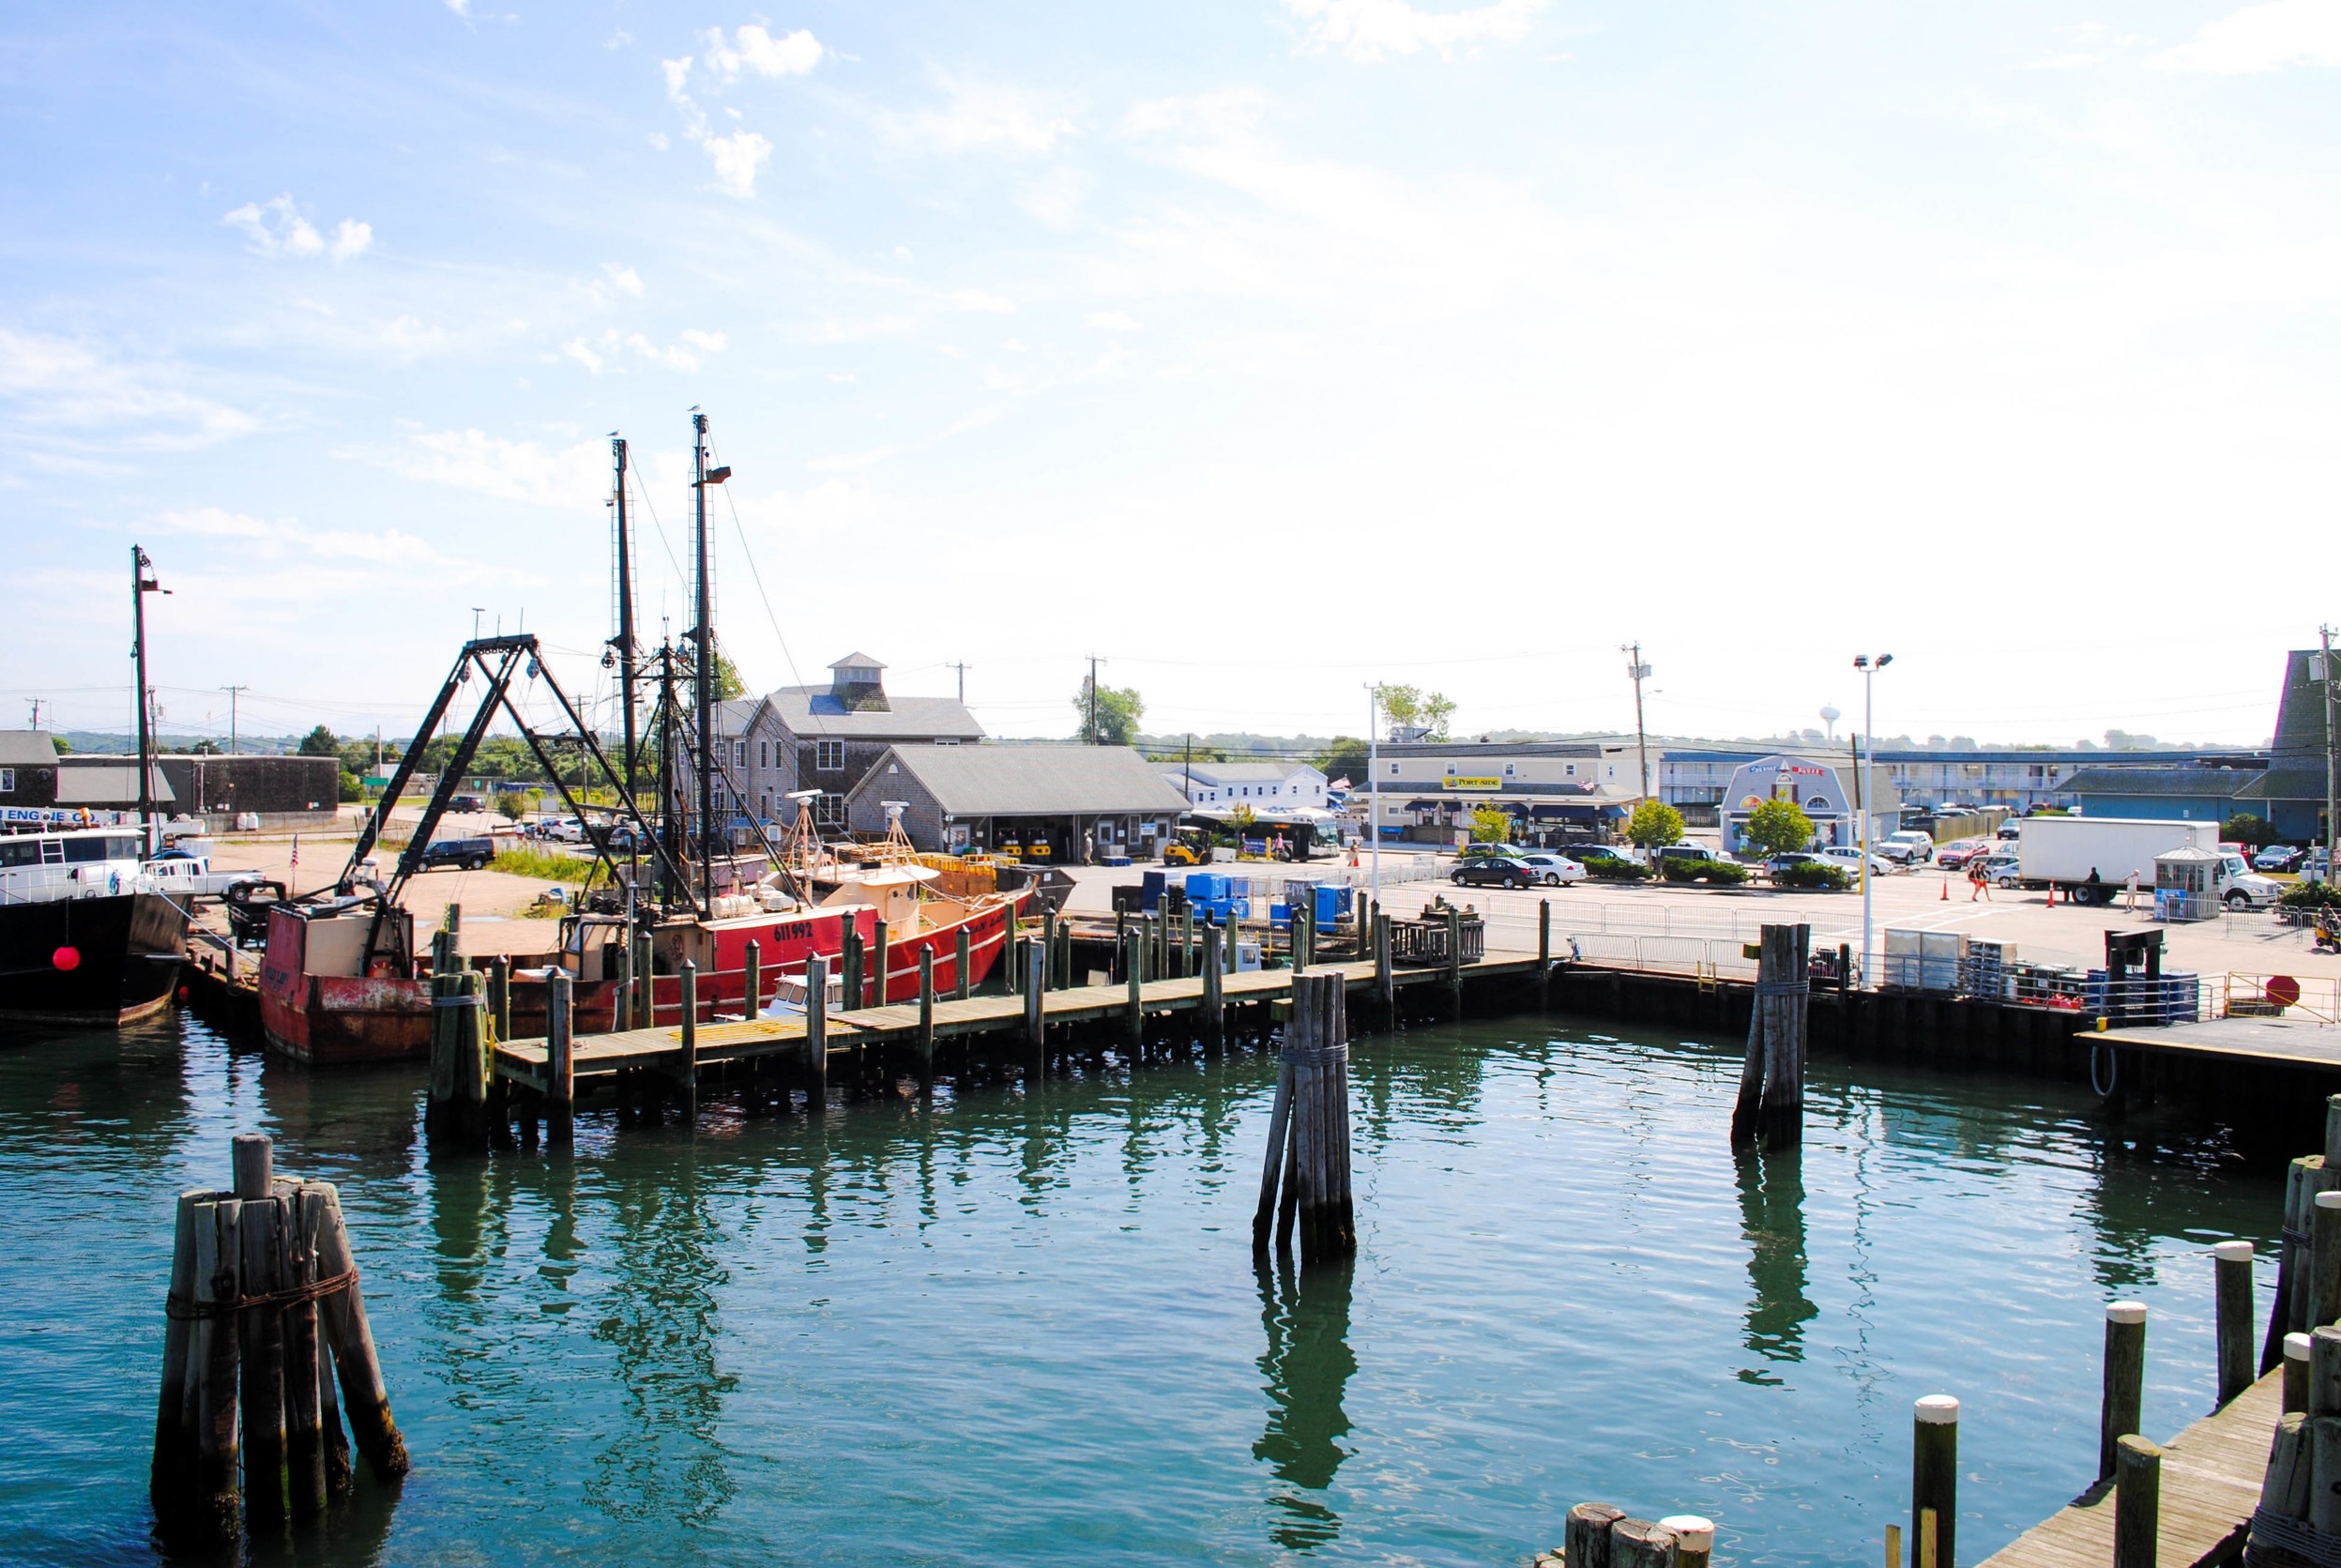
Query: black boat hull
(123, 965)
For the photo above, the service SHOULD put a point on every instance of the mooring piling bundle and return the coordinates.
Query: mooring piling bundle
(1308, 1139)
(264, 1319)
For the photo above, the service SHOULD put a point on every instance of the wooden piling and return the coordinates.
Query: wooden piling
(2284, 1491)
(926, 1016)
(500, 996)
(752, 983)
(1272, 1165)
(1214, 1003)
(1584, 1540)
(1133, 967)
(1308, 1127)
(560, 1059)
(171, 1475)
(2324, 1258)
(964, 955)
(304, 1444)
(2296, 1356)
(851, 957)
(1385, 975)
(2125, 1377)
(364, 1399)
(2324, 1371)
(2325, 1473)
(1935, 1477)
(817, 1033)
(259, 1332)
(1454, 960)
(1641, 1544)
(1694, 1539)
(1545, 942)
(880, 961)
(2138, 1502)
(687, 1063)
(1771, 1108)
(1055, 975)
(2232, 1268)
(645, 982)
(1036, 1040)
(215, 1508)
(622, 994)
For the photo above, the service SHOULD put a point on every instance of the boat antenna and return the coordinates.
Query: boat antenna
(704, 656)
(623, 643)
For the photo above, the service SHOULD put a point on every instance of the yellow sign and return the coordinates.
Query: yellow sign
(1472, 783)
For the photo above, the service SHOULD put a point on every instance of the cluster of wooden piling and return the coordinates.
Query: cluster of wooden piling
(264, 1324)
(2308, 1270)
(1308, 1136)
(1600, 1536)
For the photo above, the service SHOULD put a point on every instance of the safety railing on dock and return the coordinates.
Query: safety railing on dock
(2317, 998)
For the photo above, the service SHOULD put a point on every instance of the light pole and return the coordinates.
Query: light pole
(1374, 784)
(1639, 672)
(1869, 669)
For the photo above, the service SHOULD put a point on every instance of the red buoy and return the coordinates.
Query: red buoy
(67, 958)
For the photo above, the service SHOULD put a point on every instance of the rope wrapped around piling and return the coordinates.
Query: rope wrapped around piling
(178, 1306)
(1784, 987)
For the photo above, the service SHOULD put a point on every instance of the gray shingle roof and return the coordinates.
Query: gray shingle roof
(115, 784)
(858, 662)
(813, 711)
(997, 780)
(2216, 783)
(26, 748)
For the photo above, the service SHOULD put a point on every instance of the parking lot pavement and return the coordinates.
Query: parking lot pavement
(1927, 900)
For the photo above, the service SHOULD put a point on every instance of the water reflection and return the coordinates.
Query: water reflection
(1306, 1314)
(666, 1462)
(1771, 1218)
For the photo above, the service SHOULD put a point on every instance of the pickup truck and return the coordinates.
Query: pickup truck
(188, 873)
(470, 854)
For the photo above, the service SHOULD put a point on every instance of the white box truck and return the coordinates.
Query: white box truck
(2060, 852)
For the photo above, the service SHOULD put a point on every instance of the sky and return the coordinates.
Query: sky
(1261, 349)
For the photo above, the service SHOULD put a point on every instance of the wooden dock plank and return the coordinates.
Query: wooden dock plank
(522, 1060)
(2211, 1478)
(2289, 1042)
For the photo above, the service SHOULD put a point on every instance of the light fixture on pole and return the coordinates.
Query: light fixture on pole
(1869, 769)
(1374, 784)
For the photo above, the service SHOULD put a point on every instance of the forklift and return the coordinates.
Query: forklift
(1188, 846)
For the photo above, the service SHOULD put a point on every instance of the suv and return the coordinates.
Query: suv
(1689, 852)
(470, 854)
(1491, 851)
(1905, 846)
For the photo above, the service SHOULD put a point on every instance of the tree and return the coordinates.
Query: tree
(1490, 826)
(515, 803)
(1118, 709)
(320, 743)
(1345, 758)
(2252, 833)
(1416, 714)
(1654, 823)
(727, 682)
(1778, 827)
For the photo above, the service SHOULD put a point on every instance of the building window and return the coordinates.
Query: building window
(1572, 771)
(763, 754)
(1509, 771)
(739, 753)
(830, 811)
(1393, 769)
(828, 756)
(7, 781)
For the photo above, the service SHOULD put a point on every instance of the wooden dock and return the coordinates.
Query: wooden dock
(522, 1061)
(2211, 1479)
(2306, 1042)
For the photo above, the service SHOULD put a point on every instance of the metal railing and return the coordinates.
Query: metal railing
(2252, 996)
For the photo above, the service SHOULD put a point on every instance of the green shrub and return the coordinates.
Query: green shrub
(1724, 873)
(1617, 870)
(2311, 895)
(1807, 876)
(1721, 873)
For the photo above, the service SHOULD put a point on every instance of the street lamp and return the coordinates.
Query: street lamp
(1869, 669)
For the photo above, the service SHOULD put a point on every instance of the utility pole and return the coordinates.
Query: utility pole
(963, 681)
(232, 690)
(1374, 783)
(142, 582)
(1639, 672)
(1094, 699)
(2333, 819)
(623, 641)
(36, 713)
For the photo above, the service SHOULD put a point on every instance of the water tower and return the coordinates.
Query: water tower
(1829, 717)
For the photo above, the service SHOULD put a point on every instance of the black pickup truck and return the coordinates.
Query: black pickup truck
(470, 854)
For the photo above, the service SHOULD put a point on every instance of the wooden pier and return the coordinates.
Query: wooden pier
(997, 1018)
(2211, 1479)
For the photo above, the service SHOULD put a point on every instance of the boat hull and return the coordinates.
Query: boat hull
(126, 948)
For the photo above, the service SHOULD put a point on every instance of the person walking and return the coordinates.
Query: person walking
(1978, 885)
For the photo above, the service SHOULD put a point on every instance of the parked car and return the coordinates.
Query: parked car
(1959, 852)
(2312, 867)
(2011, 829)
(1849, 857)
(1600, 854)
(1794, 858)
(2001, 867)
(567, 829)
(467, 803)
(1481, 871)
(1491, 851)
(2277, 857)
(470, 854)
(1690, 852)
(1905, 847)
(1554, 871)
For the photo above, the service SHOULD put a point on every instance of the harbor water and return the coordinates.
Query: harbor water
(1023, 1325)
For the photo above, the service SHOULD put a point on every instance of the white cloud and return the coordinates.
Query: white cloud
(268, 541)
(460, 8)
(976, 299)
(577, 350)
(658, 140)
(2260, 39)
(673, 358)
(507, 470)
(276, 228)
(844, 462)
(1111, 321)
(351, 238)
(980, 115)
(1372, 29)
(793, 54)
(711, 341)
(625, 279)
(737, 157)
(59, 384)
(677, 74)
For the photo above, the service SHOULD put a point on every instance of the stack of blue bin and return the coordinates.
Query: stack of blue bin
(1211, 894)
(1151, 884)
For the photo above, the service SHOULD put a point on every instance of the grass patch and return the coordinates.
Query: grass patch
(542, 865)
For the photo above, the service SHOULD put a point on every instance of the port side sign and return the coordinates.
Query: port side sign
(1471, 784)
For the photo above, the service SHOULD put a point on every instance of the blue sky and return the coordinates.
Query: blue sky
(1263, 349)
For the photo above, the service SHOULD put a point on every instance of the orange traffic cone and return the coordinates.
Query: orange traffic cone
(1946, 898)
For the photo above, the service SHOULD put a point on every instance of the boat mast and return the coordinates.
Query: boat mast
(142, 582)
(703, 664)
(623, 641)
